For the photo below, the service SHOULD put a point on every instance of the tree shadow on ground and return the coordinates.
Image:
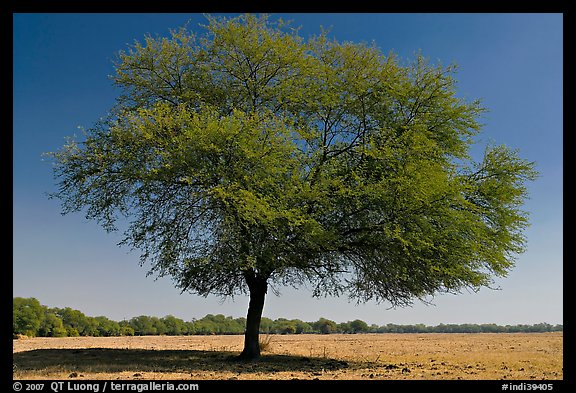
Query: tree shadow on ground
(174, 361)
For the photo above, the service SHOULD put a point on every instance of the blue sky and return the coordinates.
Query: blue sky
(513, 62)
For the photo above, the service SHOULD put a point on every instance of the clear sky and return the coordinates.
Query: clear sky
(513, 62)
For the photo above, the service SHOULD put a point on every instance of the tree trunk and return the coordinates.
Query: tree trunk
(257, 287)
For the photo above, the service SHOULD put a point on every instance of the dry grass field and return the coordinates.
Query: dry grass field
(486, 356)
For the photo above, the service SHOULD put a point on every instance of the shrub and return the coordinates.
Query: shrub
(127, 331)
(72, 332)
(265, 342)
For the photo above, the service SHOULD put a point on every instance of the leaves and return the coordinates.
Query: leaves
(250, 149)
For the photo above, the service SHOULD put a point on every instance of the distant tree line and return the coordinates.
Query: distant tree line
(30, 318)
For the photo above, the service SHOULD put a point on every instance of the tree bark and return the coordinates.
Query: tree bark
(258, 287)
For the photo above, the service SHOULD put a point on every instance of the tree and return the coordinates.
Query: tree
(325, 326)
(250, 157)
(359, 326)
(144, 325)
(52, 325)
(159, 325)
(76, 323)
(205, 326)
(27, 316)
(284, 326)
(266, 325)
(301, 326)
(174, 326)
(344, 327)
(126, 329)
(107, 327)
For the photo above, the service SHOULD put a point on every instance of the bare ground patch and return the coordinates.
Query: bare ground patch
(533, 356)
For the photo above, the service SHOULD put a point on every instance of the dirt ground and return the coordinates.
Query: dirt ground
(485, 356)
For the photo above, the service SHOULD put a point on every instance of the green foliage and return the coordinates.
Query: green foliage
(204, 327)
(174, 326)
(248, 157)
(127, 330)
(72, 332)
(144, 325)
(107, 327)
(266, 325)
(50, 324)
(344, 327)
(284, 326)
(219, 324)
(250, 152)
(325, 326)
(27, 316)
(302, 327)
(76, 323)
(358, 326)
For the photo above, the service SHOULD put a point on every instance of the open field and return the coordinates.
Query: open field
(525, 356)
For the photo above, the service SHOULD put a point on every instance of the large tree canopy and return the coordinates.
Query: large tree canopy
(248, 157)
